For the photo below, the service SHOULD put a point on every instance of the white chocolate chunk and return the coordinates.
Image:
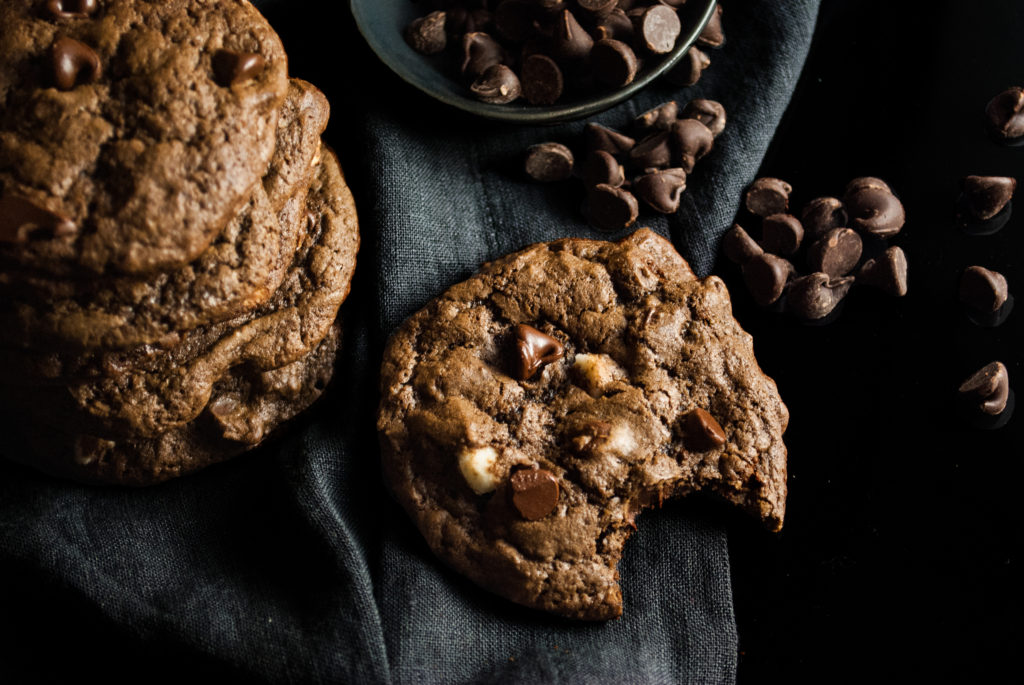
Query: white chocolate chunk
(477, 467)
(595, 372)
(621, 441)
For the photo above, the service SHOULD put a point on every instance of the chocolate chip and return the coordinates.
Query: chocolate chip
(986, 196)
(766, 276)
(534, 493)
(426, 35)
(814, 296)
(767, 196)
(513, 19)
(499, 85)
(887, 272)
(569, 41)
(652, 151)
(659, 118)
(73, 63)
(713, 36)
(603, 138)
(661, 189)
(534, 349)
(836, 253)
(781, 234)
(480, 52)
(659, 28)
(707, 112)
(231, 68)
(739, 247)
(982, 289)
(688, 70)
(611, 209)
(702, 431)
(71, 9)
(690, 141)
(542, 80)
(22, 220)
(614, 62)
(822, 214)
(615, 25)
(547, 162)
(988, 388)
(602, 168)
(873, 208)
(1005, 114)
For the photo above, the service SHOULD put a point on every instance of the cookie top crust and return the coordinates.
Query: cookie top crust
(132, 131)
(530, 412)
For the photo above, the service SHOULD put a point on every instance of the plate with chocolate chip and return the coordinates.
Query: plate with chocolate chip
(535, 61)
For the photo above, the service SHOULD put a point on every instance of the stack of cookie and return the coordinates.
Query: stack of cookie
(175, 240)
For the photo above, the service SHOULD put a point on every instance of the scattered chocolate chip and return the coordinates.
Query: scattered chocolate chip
(661, 189)
(739, 247)
(983, 290)
(659, 27)
(814, 296)
(766, 276)
(71, 9)
(688, 70)
(603, 138)
(702, 431)
(542, 80)
(986, 196)
(231, 68)
(426, 35)
(887, 272)
(534, 349)
(73, 63)
(822, 214)
(1005, 114)
(767, 196)
(534, 493)
(547, 162)
(836, 253)
(611, 209)
(615, 25)
(615, 64)
(690, 141)
(713, 36)
(480, 52)
(22, 220)
(602, 168)
(988, 388)
(499, 85)
(652, 151)
(569, 41)
(873, 208)
(707, 112)
(781, 234)
(659, 118)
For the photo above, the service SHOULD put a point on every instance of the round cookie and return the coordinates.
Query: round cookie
(239, 271)
(529, 413)
(131, 132)
(246, 407)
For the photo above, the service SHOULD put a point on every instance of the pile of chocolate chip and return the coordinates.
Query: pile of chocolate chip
(540, 49)
(835, 231)
(618, 169)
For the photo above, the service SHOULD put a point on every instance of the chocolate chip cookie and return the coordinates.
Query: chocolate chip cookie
(531, 412)
(131, 132)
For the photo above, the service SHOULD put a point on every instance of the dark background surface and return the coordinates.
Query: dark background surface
(902, 540)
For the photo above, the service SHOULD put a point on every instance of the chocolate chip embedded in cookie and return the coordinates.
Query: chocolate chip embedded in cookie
(530, 412)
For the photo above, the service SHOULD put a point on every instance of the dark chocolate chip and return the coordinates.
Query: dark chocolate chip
(614, 25)
(887, 272)
(480, 52)
(534, 493)
(766, 276)
(652, 151)
(781, 234)
(702, 431)
(690, 141)
(534, 349)
(661, 189)
(499, 85)
(688, 70)
(873, 208)
(836, 253)
(659, 28)
(513, 19)
(71, 9)
(73, 63)
(739, 247)
(713, 36)
(767, 196)
(22, 220)
(707, 112)
(542, 80)
(1005, 114)
(569, 41)
(659, 118)
(814, 296)
(866, 182)
(615, 64)
(822, 214)
(611, 209)
(231, 68)
(986, 196)
(602, 168)
(603, 138)
(988, 388)
(426, 35)
(547, 162)
(983, 290)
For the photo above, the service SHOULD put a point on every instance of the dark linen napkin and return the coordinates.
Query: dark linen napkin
(292, 564)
